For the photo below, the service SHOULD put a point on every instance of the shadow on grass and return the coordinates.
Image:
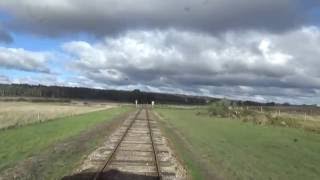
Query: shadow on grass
(109, 175)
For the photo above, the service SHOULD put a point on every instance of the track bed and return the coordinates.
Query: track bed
(137, 150)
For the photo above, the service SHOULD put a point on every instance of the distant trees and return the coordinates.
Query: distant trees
(25, 90)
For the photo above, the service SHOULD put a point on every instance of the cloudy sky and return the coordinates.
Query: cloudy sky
(246, 49)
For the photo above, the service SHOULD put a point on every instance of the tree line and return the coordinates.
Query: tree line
(26, 90)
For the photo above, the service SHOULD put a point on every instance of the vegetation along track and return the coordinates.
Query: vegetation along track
(137, 150)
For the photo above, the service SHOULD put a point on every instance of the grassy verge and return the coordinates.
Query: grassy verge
(182, 148)
(237, 150)
(21, 143)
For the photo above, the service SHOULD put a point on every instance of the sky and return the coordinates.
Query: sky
(246, 49)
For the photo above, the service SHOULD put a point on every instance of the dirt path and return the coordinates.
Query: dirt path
(136, 150)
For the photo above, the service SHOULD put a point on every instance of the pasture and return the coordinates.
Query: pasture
(226, 148)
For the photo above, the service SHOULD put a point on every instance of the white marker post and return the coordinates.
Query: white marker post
(152, 104)
(136, 103)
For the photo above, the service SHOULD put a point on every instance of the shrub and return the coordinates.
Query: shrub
(219, 108)
(255, 117)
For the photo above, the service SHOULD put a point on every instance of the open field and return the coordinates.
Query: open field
(18, 144)
(13, 114)
(227, 148)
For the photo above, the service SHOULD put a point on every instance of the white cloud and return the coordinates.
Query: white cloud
(192, 62)
(241, 65)
(276, 58)
(21, 59)
(169, 55)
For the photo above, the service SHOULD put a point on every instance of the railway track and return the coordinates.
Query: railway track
(137, 150)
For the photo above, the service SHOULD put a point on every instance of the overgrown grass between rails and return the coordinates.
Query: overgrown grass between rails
(18, 144)
(237, 150)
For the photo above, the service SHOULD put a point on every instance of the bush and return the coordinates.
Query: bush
(219, 108)
(254, 117)
(285, 121)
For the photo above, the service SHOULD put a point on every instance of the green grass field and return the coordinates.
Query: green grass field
(232, 149)
(19, 143)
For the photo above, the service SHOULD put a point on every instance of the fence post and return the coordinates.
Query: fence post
(305, 116)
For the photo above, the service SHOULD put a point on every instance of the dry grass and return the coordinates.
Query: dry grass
(13, 114)
(307, 122)
(286, 119)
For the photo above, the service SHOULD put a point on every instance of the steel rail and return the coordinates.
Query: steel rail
(153, 146)
(98, 174)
